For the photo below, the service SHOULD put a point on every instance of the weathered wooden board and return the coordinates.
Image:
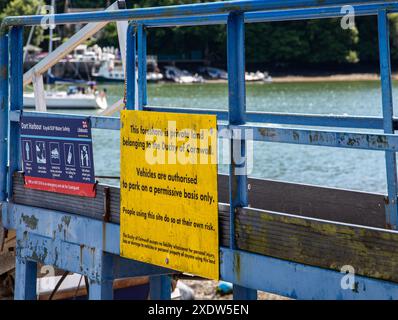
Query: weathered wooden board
(310, 201)
(347, 206)
(372, 252)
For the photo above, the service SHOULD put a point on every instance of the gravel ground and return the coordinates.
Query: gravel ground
(207, 290)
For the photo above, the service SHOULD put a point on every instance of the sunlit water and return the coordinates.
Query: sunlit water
(334, 167)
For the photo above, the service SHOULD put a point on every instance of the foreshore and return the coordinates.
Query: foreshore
(332, 78)
(323, 78)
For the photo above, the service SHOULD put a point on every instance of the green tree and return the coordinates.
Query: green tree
(367, 46)
(109, 36)
(285, 43)
(24, 7)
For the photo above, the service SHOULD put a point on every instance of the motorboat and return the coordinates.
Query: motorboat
(258, 76)
(154, 76)
(213, 73)
(111, 70)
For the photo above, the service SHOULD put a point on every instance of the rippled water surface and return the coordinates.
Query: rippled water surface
(334, 167)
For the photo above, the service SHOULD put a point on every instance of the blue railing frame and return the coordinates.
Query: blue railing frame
(248, 272)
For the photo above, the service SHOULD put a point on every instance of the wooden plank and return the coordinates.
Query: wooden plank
(372, 252)
(353, 207)
(311, 201)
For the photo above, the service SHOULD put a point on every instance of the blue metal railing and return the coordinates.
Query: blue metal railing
(235, 14)
(188, 10)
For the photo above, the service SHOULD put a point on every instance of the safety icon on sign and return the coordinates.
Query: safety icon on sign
(41, 152)
(55, 153)
(69, 152)
(27, 150)
(84, 154)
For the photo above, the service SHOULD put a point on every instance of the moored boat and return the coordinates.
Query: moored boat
(74, 98)
(174, 74)
(258, 76)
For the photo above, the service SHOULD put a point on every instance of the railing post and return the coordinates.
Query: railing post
(142, 66)
(25, 279)
(237, 115)
(388, 112)
(25, 270)
(160, 287)
(3, 114)
(131, 67)
(16, 100)
(102, 288)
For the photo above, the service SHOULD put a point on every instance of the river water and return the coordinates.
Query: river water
(333, 167)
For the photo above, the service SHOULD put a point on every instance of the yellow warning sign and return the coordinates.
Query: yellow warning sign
(168, 191)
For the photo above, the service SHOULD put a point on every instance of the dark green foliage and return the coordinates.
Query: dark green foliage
(279, 43)
(22, 7)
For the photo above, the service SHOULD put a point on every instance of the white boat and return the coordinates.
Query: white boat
(83, 53)
(112, 71)
(71, 99)
(181, 76)
(258, 76)
(154, 76)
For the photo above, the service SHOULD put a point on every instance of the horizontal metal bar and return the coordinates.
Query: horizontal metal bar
(187, 10)
(324, 138)
(221, 114)
(81, 259)
(276, 134)
(97, 122)
(296, 280)
(269, 16)
(316, 120)
(113, 123)
(69, 227)
(367, 141)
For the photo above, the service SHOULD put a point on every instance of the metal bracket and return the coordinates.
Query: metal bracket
(107, 205)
